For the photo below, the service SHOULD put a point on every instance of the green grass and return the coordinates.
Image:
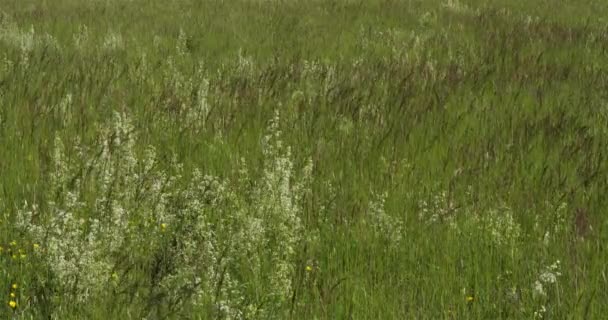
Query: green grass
(303, 159)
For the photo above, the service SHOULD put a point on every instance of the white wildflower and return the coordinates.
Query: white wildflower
(501, 226)
(181, 45)
(548, 276)
(456, 6)
(81, 38)
(540, 313)
(551, 273)
(64, 109)
(113, 41)
(384, 225)
(539, 289)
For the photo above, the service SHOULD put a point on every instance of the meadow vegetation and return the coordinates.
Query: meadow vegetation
(341, 159)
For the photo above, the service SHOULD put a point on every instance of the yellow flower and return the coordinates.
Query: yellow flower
(13, 295)
(163, 227)
(36, 246)
(308, 268)
(13, 243)
(12, 304)
(470, 299)
(14, 286)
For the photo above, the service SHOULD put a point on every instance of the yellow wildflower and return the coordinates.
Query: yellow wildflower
(36, 246)
(163, 227)
(13, 295)
(308, 268)
(12, 304)
(470, 299)
(14, 286)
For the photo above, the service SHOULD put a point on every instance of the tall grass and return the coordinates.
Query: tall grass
(307, 159)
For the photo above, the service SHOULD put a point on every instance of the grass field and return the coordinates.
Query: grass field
(340, 159)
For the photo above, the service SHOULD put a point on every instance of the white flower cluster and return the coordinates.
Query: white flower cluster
(439, 209)
(84, 236)
(540, 313)
(81, 38)
(185, 96)
(498, 226)
(553, 225)
(383, 224)
(277, 204)
(245, 65)
(547, 277)
(196, 115)
(501, 226)
(181, 47)
(113, 41)
(206, 244)
(26, 41)
(248, 231)
(456, 6)
(72, 241)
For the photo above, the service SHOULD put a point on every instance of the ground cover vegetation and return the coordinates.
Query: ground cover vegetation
(401, 159)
